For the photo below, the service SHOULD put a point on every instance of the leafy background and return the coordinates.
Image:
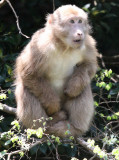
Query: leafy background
(104, 18)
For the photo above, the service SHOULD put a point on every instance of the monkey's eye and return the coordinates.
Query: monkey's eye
(71, 21)
(80, 21)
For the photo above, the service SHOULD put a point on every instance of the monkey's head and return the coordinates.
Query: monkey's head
(69, 24)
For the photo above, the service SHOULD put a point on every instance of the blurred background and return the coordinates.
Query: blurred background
(104, 19)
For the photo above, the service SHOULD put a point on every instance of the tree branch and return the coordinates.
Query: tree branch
(80, 141)
(2, 2)
(86, 146)
(109, 60)
(24, 150)
(17, 19)
(7, 109)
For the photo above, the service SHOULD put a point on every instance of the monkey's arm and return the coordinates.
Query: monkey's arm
(80, 78)
(30, 70)
(46, 95)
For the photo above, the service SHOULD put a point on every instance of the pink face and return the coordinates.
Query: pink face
(71, 25)
(73, 31)
(76, 34)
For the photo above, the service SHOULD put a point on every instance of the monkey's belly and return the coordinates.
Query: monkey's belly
(61, 66)
(58, 85)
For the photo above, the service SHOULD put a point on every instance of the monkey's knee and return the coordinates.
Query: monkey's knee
(63, 129)
(28, 108)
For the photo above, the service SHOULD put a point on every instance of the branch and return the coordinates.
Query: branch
(13, 153)
(80, 141)
(7, 109)
(24, 150)
(2, 2)
(86, 146)
(109, 60)
(17, 19)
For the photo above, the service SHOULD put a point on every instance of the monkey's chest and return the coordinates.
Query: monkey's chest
(60, 68)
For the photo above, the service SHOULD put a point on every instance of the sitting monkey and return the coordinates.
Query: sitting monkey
(54, 71)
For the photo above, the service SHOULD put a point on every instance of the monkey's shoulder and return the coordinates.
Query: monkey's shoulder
(37, 34)
(91, 49)
(42, 40)
(90, 42)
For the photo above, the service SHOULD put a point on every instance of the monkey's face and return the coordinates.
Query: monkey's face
(70, 25)
(73, 31)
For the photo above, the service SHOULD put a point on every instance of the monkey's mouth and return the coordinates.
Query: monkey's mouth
(77, 40)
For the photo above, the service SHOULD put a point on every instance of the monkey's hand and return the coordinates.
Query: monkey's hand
(77, 82)
(73, 88)
(51, 103)
(53, 107)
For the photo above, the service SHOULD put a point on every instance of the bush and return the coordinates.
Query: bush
(104, 140)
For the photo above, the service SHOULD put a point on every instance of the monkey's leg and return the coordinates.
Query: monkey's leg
(28, 107)
(80, 111)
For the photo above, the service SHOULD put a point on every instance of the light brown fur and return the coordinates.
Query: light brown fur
(53, 74)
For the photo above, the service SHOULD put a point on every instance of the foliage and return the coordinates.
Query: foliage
(104, 134)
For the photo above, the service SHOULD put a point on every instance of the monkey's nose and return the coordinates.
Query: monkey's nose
(79, 34)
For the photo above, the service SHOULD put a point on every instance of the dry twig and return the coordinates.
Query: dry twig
(2, 2)
(17, 19)
(7, 109)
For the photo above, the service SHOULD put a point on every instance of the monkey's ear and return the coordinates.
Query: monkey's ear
(49, 18)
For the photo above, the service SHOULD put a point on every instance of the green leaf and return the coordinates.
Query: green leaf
(109, 96)
(3, 153)
(57, 139)
(102, 84)
(53, 137)
(48, 143)
(7, 142)
(3, 96)
(71, 137)
(9, 91)
(117, 113)
(9, 69)
(109, 118)
(1, 106)
(96, 103)
(39, 132)
(114, 116)
(67, 132)
(97, 149)
(102, 115)
(21, 154)
(43, 148)
(44, 123)
(115, 151)
(14, 139)
(106, 73)
(108, 86)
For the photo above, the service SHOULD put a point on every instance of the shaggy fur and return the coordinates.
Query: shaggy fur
(54, 71)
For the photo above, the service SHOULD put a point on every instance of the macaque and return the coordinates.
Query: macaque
(54, 71)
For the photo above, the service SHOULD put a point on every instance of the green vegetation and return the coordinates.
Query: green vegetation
(103, 137)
